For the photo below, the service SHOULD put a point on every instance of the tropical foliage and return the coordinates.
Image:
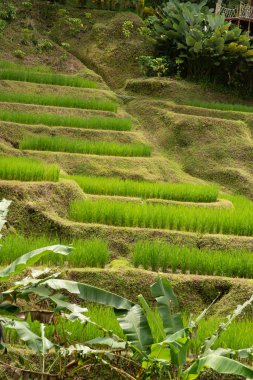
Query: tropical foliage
(203, 44)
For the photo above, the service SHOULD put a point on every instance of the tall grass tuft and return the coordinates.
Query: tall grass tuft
(107, 123)
(220, 106)
(160, 255)
(162, 190)
(46, 78)
(237, 221)
(58, 101)
(86, 253)
(27, 169)
(63, 144)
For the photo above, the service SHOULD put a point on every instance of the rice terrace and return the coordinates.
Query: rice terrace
(126, 190)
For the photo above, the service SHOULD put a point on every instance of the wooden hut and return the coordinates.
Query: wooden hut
(242, 14)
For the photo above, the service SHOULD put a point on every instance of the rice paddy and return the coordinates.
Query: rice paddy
(27, 169)
(61, 144)
(238, 335)
(46, 78)
(53, 120)
(144, 189)
(236, 221)
(220, 106)
(160, 255)
(86, 253)
(58, 101)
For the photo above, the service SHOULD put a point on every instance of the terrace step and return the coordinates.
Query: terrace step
(10, 132)
(154, 168)
(220, 203)
(26, 87)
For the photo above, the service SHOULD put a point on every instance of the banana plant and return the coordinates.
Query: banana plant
(161, 344)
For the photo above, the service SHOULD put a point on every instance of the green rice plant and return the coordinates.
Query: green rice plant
(158, 255)
(220, 106)
(144, 189)
(58, 101)
(239, 334)
(237, 220)
(14, 66)
(107, 123)
(86, 253)
(46, 78)
(63, 144)
(27, 169)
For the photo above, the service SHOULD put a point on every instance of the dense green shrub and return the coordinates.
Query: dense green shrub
(206, 46)
(7, 10)
(160, 66)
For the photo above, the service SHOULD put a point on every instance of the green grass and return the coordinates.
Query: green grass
(63, 144)
(58, 101)
(237, 221)
(86, 253)
(220, 106)
(46, 78)
(27, 169)
(107, 123)
(162, 256)
(14, 66)
(172, 191)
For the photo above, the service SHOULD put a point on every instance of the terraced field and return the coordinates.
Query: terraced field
(81, 170)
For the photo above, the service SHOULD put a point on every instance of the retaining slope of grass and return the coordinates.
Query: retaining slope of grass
(27, 169)
(86, 253)
(220, 106)
(158, 255)
(106, 123)
(61, 144)
(144, 189)
(46, 78)
(236, 221)
(58, 101)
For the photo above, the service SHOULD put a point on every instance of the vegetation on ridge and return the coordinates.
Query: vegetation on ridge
(63, 144)
(27, 169)
(145, 189)
(46, 78)
(53, 120)
(236, 221)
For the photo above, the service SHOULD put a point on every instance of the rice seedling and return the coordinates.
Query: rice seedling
(58, 101)
(14, 66)
(220, 106)
(27, 169)
(239, 334)
(86, 253)
(160, 255)
(144, 189)
(63, 144)
(46, 78)
(107, 123)
(237, 220)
